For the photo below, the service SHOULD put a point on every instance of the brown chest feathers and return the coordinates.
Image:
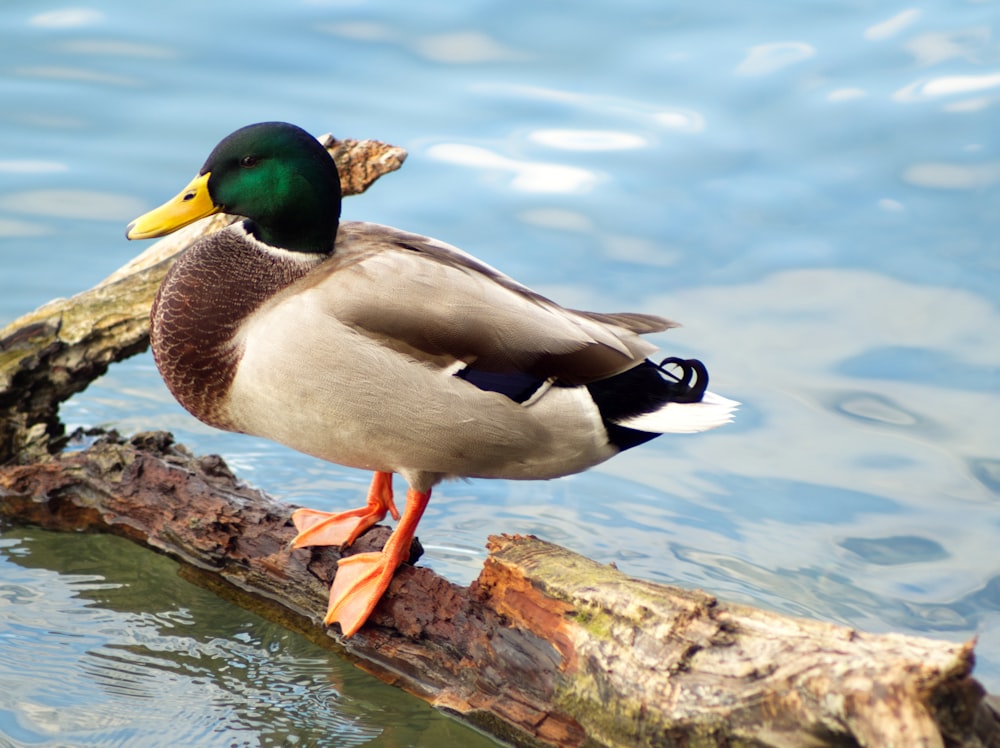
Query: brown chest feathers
(205, 298)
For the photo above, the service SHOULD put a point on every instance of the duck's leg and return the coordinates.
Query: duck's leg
(343, 528)
(362, 579)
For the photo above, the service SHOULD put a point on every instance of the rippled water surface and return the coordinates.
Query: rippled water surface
(104, 645)
(809, 188)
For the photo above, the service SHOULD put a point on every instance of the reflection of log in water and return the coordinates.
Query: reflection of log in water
(545, 647)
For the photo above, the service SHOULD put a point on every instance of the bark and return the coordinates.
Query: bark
(544, 648)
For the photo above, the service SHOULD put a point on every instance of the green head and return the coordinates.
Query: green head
(275, 175)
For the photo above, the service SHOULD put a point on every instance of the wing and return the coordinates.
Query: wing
(443, 306)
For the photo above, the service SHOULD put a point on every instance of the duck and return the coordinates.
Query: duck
(375, 348)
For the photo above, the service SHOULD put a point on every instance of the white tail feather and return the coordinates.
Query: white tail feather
(685, 418)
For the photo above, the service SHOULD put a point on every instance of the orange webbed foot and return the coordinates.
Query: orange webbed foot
(343, 528)
(362, 579)
(360, 582)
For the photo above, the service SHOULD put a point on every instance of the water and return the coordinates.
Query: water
(105, 645)
(808, 188)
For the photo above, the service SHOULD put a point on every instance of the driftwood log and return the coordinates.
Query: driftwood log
(544, 648)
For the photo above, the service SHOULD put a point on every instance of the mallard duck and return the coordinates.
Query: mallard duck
(379, 349)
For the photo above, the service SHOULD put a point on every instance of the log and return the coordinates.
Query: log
(544, 648)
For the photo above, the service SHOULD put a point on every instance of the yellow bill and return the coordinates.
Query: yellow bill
(192, 203)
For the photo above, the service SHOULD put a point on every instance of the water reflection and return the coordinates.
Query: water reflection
(925, 364)
(67, 74)
(846, 94)
(464, 48)
(872, 407)
(587, 140)
(115, 47)
(470, 47)
(637, 113)
(891, 26)
(987, 471)
(10, 227)
(28, 166)
(896, 549)
(66, 18)
(115, 649)
(971, 44)
(86, 205)
(948, 85)
(529, 176)
(764, 59)
(632, 249)
(952, 176)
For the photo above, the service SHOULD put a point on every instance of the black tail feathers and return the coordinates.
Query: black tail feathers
(644, 389)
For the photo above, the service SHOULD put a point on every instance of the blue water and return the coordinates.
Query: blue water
(809, 188)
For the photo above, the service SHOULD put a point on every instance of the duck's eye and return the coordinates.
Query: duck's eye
(248, 162)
